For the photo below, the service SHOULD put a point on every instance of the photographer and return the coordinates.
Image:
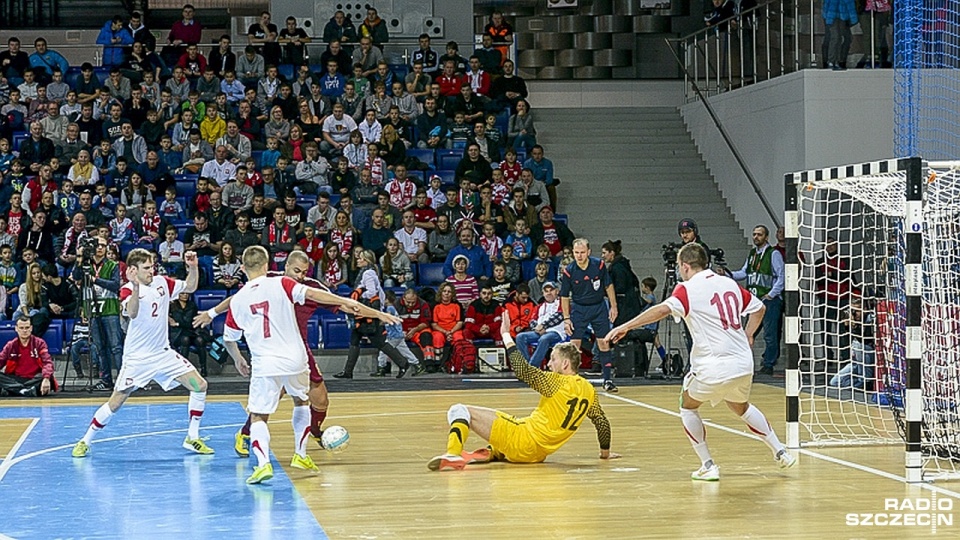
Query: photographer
(100, 284)
(689, 232)
(763, 271)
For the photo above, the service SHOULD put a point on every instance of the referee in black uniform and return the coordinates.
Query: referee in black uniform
(584, 285)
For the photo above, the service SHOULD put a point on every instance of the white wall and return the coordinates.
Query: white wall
(805, 120)
(605, 94)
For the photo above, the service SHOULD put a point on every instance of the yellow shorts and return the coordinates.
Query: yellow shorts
(510, 437)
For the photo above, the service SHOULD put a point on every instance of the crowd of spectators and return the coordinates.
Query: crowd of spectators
(181, 146)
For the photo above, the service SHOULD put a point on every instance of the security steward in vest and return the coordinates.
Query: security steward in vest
(763, 272)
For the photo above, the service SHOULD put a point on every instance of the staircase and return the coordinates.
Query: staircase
(632, 174)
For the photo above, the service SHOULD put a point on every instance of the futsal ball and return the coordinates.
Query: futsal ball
(335, 439)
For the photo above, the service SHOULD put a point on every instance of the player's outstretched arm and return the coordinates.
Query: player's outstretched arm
(544, 382)
(350, 306)
(599, 419)
(651, 315)
(193, 271)
(206, 317)
(243, 367)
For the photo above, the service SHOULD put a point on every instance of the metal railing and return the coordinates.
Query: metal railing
(762, 43)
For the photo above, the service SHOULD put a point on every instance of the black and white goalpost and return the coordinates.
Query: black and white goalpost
(872, 301)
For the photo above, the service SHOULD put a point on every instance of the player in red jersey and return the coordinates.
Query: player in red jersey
(147, 355)
(263, 312)
(298, 265)
(721, 361)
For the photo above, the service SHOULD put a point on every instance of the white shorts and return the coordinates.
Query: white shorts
(265, 391)
(163, 369)
(736, 390)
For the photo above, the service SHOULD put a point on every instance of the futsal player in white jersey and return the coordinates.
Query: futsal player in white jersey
(263, 311)
(147, 355)
(721, 362)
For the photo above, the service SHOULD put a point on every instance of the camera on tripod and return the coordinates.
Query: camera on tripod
(670, 253)
(717, 256)
(89, 247)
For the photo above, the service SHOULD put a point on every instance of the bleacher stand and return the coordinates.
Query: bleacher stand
(264, 91)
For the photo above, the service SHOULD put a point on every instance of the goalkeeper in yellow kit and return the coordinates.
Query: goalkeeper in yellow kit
(566, 399)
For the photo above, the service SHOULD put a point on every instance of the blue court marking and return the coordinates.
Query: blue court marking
(138, 481)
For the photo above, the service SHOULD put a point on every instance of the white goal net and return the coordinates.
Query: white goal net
(851, 331)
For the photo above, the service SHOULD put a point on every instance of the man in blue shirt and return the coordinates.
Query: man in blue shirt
(479, 260)
(584, 285)
(44, 60)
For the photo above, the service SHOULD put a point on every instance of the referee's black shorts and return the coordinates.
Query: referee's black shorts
(583, 317)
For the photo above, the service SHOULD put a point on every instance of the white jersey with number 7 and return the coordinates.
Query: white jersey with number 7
(713, 307)
(263, 311)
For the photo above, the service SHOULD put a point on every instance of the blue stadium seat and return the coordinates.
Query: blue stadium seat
(449, 159)
(206, 270)
(521, 155)
(256, 154)
(334, 199)
(125, 250)
(562, 218)
(313, 332)
(447, 176)
(14, 301)
(430, 274)
(54, 337)
(72, 76)
(336, 333)
(217, 326)
(182, 230)
(400, 71)
(18, 138)
(503, 122)
(184, 202)
(68, 325)
(423, 154)
(102, 73)
(8, 331)
(286, 71)
(529, 269)
(186, 189)
(208, 298)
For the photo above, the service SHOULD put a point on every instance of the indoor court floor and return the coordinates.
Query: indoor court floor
(139, 483)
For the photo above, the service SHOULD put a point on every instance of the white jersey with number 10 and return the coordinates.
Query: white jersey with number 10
(263, 311)
(713, 307)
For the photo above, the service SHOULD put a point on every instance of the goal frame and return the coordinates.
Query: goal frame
(913, 221)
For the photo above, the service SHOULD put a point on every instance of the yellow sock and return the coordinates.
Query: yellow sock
(459, 430)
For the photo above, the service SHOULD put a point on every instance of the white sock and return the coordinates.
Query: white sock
(260, 442)
(195, 406)
(100, 419)
(696, 432)
(758, 424)
(301, 428)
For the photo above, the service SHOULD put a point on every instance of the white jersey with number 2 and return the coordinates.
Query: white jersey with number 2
(149, 332)
(263, 311)
(713, 307)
